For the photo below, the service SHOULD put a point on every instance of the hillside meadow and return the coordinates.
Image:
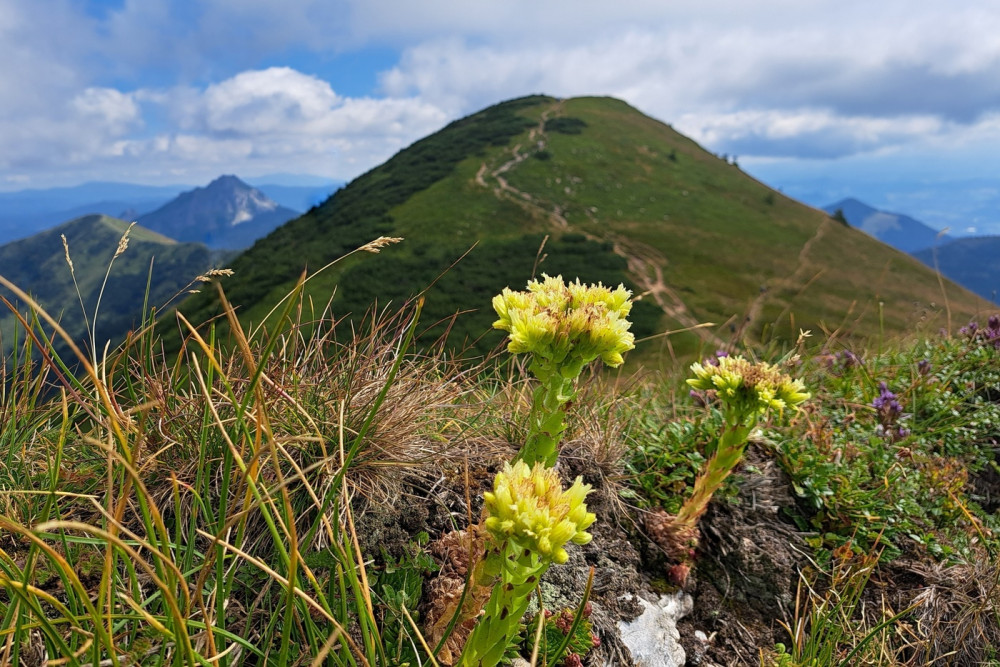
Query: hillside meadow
(331, 491)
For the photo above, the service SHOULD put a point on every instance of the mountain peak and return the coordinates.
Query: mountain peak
(849, 203)
(228, 181)
(899, 231)
(211, 214)
(623, 197)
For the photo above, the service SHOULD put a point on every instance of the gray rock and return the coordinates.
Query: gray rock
(653, 638)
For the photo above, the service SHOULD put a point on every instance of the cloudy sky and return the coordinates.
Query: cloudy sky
(896, 102)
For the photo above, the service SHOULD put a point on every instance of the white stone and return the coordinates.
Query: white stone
(652, 638)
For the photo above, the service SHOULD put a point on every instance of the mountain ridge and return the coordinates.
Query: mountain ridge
(40, 265)
(29, 211)
(896, 229)
(697, 238)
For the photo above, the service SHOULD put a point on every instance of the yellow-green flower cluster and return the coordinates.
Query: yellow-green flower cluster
(554, 320)
(529, 507)
(749, 387)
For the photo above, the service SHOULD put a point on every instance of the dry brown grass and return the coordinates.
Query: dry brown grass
(958, 613)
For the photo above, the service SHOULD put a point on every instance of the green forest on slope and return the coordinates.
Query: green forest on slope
(39, 265)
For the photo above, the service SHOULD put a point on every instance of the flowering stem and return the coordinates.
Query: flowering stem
(728, 453)
(520, 572)
(547, 420)
(564, 328)
(530, 518)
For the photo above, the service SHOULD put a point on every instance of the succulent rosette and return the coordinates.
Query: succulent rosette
(563, 327)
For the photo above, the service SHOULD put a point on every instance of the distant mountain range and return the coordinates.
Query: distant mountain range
(899, 231)
(180, 239)
(585, 187)
(973, 262)
(225, 214)
(25, 212)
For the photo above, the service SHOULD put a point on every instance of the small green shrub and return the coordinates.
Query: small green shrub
(565, 125)
(666, 455)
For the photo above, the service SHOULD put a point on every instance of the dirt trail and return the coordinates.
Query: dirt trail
(645, 263)
(795, 279)
(503, 189)
(646, 266)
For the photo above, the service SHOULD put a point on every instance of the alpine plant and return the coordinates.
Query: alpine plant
(563, 327)
(530, 519)
(746, 391)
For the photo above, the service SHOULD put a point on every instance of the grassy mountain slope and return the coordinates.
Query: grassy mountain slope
(624, 197)
(38, 265)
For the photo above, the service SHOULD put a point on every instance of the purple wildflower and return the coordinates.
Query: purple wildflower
(924, 367)
(886, 404)
(702, 398)
(840, 361)
(714, 360)
(848, 359)
(970, 329)
(889, 411)
(990, 335)
(698, 397)
(992, 331)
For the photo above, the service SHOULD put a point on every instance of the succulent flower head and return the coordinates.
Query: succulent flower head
(529, 507)
(749, 388)
(557, 321)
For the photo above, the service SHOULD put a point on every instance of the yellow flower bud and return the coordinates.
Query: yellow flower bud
(540, 516)
(749, 388)
(563, 531)
(554, 320)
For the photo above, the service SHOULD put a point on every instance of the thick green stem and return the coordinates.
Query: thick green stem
(547, 420)
(520, 572)
(728, 453)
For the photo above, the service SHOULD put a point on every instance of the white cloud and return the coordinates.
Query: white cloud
(287, 114)
(805, 133)
(117, 112)
(261, 121)
(824, 82)
(158, 82)
(278, 99)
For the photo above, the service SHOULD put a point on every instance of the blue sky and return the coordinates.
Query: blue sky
(895, 102)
